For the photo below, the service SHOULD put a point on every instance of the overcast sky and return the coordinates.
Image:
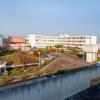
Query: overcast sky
(22, 17)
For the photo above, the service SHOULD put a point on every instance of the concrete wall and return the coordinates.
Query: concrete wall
(91, 57)
(52, 88)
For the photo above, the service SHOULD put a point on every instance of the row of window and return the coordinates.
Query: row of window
(55, 37)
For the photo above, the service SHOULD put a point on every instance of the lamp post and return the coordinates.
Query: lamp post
(83, 53)
(39, 58)
(5, 71)
(83, 56)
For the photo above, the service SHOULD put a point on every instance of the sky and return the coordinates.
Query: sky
(53, 17)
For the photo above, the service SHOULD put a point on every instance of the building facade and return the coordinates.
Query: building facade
(42, 41)
(91, 52)
(15, 43)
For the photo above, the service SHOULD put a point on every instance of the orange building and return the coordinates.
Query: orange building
(17, 42)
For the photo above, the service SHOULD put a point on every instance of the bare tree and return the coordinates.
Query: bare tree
(23, 57)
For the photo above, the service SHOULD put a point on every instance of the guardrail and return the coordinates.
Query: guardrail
(20, 65)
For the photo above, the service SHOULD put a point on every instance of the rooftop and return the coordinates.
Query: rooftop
(16, 39)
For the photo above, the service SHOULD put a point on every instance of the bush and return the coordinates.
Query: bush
(24, 76)
(38, 74)
(43, 50)
(98, 58)
(5, 79)
(48, 70)
(61, 71)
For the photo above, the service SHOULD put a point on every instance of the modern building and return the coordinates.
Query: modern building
(15, 43)
(42, 41)
(91, 52)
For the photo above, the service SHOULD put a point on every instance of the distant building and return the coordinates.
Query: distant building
(91, 52)
(42, 41)
(15, 43)
(99, 46)
(1, 40)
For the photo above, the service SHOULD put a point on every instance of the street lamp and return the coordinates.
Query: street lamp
(83, 56)
(5, 70)
(39, 58)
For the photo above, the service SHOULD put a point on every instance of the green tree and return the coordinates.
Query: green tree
(44, 50)
(59, 46)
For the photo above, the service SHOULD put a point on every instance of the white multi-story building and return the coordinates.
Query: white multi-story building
(42, 41)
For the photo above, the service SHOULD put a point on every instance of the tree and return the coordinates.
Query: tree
(73, 50)
(43, 50)
(0, 49)
(22, 57)
(59, 46)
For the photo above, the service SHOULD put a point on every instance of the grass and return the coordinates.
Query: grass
(98, 59)
(5, 53)
(23, 73)
(19, 74)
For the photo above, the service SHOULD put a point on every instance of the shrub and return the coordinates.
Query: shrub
(48, 70)
(61, 71)
(38, 73)
(24, 76)
(6, 79)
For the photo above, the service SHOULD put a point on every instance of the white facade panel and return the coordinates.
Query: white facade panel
(42, 41)
(32, 40)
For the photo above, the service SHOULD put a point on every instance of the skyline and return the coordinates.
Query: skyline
(51, 17)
